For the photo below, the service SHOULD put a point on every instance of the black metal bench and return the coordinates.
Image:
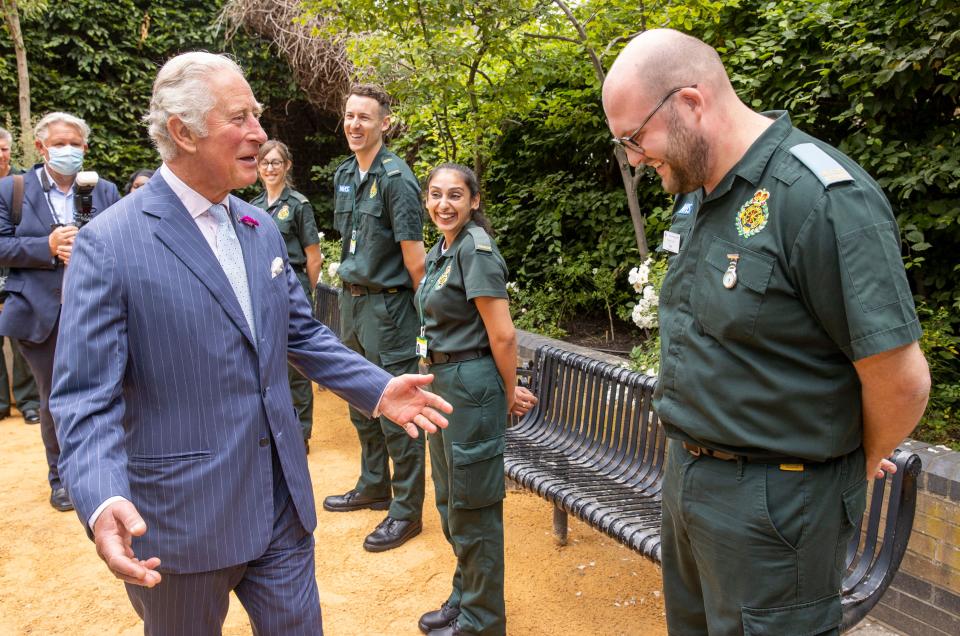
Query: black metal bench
(326, 306)
(594, 447)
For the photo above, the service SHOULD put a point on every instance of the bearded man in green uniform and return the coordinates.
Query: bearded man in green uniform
(379, 215)
(789, 362)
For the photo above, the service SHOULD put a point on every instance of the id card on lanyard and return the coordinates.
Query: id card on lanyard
(425, 287)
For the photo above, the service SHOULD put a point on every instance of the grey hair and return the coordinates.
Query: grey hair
(42, 129)
(5, 134)
(182, 89)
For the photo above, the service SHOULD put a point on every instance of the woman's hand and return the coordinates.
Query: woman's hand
(521, 401)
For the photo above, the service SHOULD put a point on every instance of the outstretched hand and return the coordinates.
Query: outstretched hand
(407, 404)
(113, 534)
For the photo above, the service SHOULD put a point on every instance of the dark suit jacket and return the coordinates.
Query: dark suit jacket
(33, 286)
(160, 394)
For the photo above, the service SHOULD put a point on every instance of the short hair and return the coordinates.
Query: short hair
(282, 150)
(5, 134)
(42, 129)
(182, 89)
(372, 91)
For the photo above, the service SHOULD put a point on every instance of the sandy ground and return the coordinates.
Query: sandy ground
(51, 581)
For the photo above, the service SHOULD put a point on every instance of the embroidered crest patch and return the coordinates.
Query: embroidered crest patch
(753, 215)
(443, 277)
(284, 213)
(373, 189)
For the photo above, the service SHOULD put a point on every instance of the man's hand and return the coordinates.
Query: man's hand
(404, 402)
(113, 533)
(879, 468)
(523, 401)
(62, 237)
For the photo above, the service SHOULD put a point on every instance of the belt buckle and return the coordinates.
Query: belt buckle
(696, 451)
(355, 290)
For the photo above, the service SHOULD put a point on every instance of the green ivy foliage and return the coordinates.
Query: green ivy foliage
(98, 60)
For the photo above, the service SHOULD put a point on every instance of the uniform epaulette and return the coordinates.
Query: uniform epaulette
(825, 167)
(299, 197)
(393, 173)
(481, 240)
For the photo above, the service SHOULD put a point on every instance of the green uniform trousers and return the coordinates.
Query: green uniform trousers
(301, 388)
(24, 386)
(466, 462)
(750, 548)
(382, 328)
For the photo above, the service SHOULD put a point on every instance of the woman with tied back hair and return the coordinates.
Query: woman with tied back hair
(293, 214)
(468, 342)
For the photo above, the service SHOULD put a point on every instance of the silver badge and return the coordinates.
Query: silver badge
(730, 276)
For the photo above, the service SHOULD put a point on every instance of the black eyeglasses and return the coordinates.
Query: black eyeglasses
(630, 140)
(273, 163)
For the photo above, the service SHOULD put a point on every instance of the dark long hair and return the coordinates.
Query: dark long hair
(473, 185)
(139, 173)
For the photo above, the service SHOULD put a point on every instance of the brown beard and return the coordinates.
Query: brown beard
(686, 155)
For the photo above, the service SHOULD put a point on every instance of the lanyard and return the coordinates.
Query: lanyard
(424, 291)
(47, 186)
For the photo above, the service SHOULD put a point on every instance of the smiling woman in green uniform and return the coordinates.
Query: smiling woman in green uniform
(468, 340)
(293, 215)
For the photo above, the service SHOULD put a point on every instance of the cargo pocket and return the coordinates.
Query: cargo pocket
(805, 619)
(478, 473)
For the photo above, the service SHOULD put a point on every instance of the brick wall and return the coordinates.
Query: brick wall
(924, 598)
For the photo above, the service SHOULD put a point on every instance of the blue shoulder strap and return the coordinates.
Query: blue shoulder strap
(827, 169)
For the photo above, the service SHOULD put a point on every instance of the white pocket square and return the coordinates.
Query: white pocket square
(276, 267)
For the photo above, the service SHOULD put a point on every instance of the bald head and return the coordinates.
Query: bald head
(660, 60)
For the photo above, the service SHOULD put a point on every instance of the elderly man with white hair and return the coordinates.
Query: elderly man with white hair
(37, 229)
(181, 448)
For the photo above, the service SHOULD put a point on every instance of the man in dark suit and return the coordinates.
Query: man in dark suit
(37, 249)
(181, 447)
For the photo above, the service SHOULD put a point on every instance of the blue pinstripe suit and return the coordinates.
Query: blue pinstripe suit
(160, 395)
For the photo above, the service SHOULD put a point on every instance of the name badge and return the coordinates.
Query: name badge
(671, 242)
(345, 188)
(422, 347)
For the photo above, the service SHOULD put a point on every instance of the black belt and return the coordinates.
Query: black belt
(440, 357)
(795, 462)
(360, 290)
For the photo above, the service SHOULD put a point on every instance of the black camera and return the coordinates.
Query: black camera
(85, 182)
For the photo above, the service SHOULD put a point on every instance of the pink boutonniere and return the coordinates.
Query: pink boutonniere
(250, 221)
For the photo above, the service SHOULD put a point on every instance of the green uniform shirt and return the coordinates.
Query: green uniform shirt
(472, 267)
(293, 215)
(765, 367)
(379, 212)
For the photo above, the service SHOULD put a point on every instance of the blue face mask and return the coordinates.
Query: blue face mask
(66, 160)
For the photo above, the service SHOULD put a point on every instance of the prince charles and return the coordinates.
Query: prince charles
(180, 446)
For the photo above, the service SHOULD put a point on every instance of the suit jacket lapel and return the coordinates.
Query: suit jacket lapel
(36, 198)
(179, 232)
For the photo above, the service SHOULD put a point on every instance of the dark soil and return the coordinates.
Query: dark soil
(593, 331)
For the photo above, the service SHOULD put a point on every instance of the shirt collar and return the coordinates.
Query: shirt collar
(195, 202)
(754, 162)
(54, 190)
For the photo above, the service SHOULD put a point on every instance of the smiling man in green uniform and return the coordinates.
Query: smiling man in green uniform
(789, 361)
(379, 214)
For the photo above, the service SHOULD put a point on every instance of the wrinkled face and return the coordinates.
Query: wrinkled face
(449, 202)
(363, 124)
(139, 182)
(4, 156)
(228, 154)
(273, 169)
(60, 135)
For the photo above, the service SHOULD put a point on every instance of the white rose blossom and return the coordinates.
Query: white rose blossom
(332, 269)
